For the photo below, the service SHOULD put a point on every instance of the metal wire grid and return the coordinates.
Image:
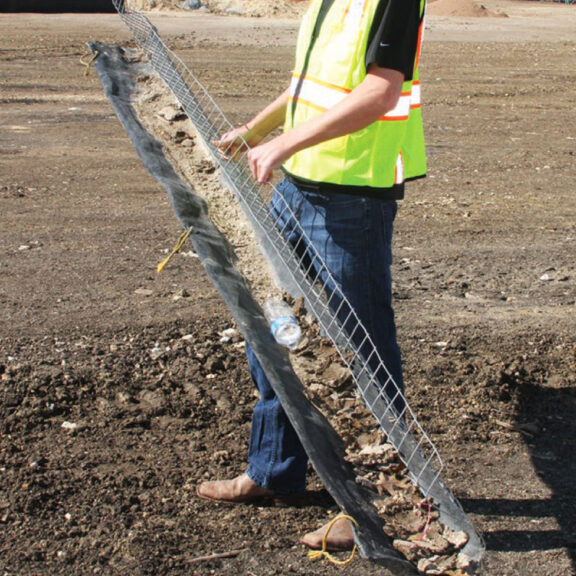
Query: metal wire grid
(310, 277)
(301, 271)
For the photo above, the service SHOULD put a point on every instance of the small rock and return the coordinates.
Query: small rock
(235, 10)
(156, 352)
(458, 538)
(408, 549)
(181, 294)
(529, 428)
(464, 562)
(228, 335)
(376, 450)
(428, 566)
(69, 425)
(191, 4)
(171, 113)
(555, 381)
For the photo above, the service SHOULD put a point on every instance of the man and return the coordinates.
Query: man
(352, 137)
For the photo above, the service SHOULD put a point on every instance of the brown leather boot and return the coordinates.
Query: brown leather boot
(242, 490)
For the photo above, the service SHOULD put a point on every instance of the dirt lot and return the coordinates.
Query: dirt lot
(109, 417)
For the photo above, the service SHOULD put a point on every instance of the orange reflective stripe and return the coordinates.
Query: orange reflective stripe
(402, 109)
(296, 78)
(323, 95)
(416, 95)
(419, 44)
(308, 103)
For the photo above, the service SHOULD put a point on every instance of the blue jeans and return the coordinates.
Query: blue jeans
(353, 236)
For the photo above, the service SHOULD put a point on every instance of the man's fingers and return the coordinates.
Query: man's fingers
(261, 173)
(230, 149)
(262, 164)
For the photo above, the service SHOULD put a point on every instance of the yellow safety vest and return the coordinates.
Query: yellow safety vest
(385, 153)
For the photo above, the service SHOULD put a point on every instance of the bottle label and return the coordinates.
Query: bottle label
(279, 322)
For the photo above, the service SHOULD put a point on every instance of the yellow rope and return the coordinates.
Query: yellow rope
(176, 249)
(317, 554)
(88, 64)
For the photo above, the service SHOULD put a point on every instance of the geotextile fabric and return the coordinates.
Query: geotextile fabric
(322, 443)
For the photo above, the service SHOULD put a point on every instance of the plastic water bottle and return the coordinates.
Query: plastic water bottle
(283, 324)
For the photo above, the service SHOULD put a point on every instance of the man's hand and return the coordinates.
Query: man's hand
(264, 159)
(233, 143)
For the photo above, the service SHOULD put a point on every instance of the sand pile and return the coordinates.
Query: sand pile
(459, 8)
(251, 8)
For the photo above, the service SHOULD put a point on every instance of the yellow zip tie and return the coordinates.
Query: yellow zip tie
(318, 554)
(176, 249)
(89, 63)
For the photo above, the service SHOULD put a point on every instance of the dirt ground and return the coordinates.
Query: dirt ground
(117, 393)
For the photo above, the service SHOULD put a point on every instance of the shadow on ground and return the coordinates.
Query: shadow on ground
(552, 451)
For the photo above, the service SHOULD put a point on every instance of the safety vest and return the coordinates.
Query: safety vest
(385, 153)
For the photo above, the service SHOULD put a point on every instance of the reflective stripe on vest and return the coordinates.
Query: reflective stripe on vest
(399, 172)
(323, 96)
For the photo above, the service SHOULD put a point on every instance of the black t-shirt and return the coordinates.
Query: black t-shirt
(393, 40)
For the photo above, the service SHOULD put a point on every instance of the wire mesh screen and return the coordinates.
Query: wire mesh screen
(302, 272)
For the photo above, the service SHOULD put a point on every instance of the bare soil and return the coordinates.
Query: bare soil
(117, 393)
